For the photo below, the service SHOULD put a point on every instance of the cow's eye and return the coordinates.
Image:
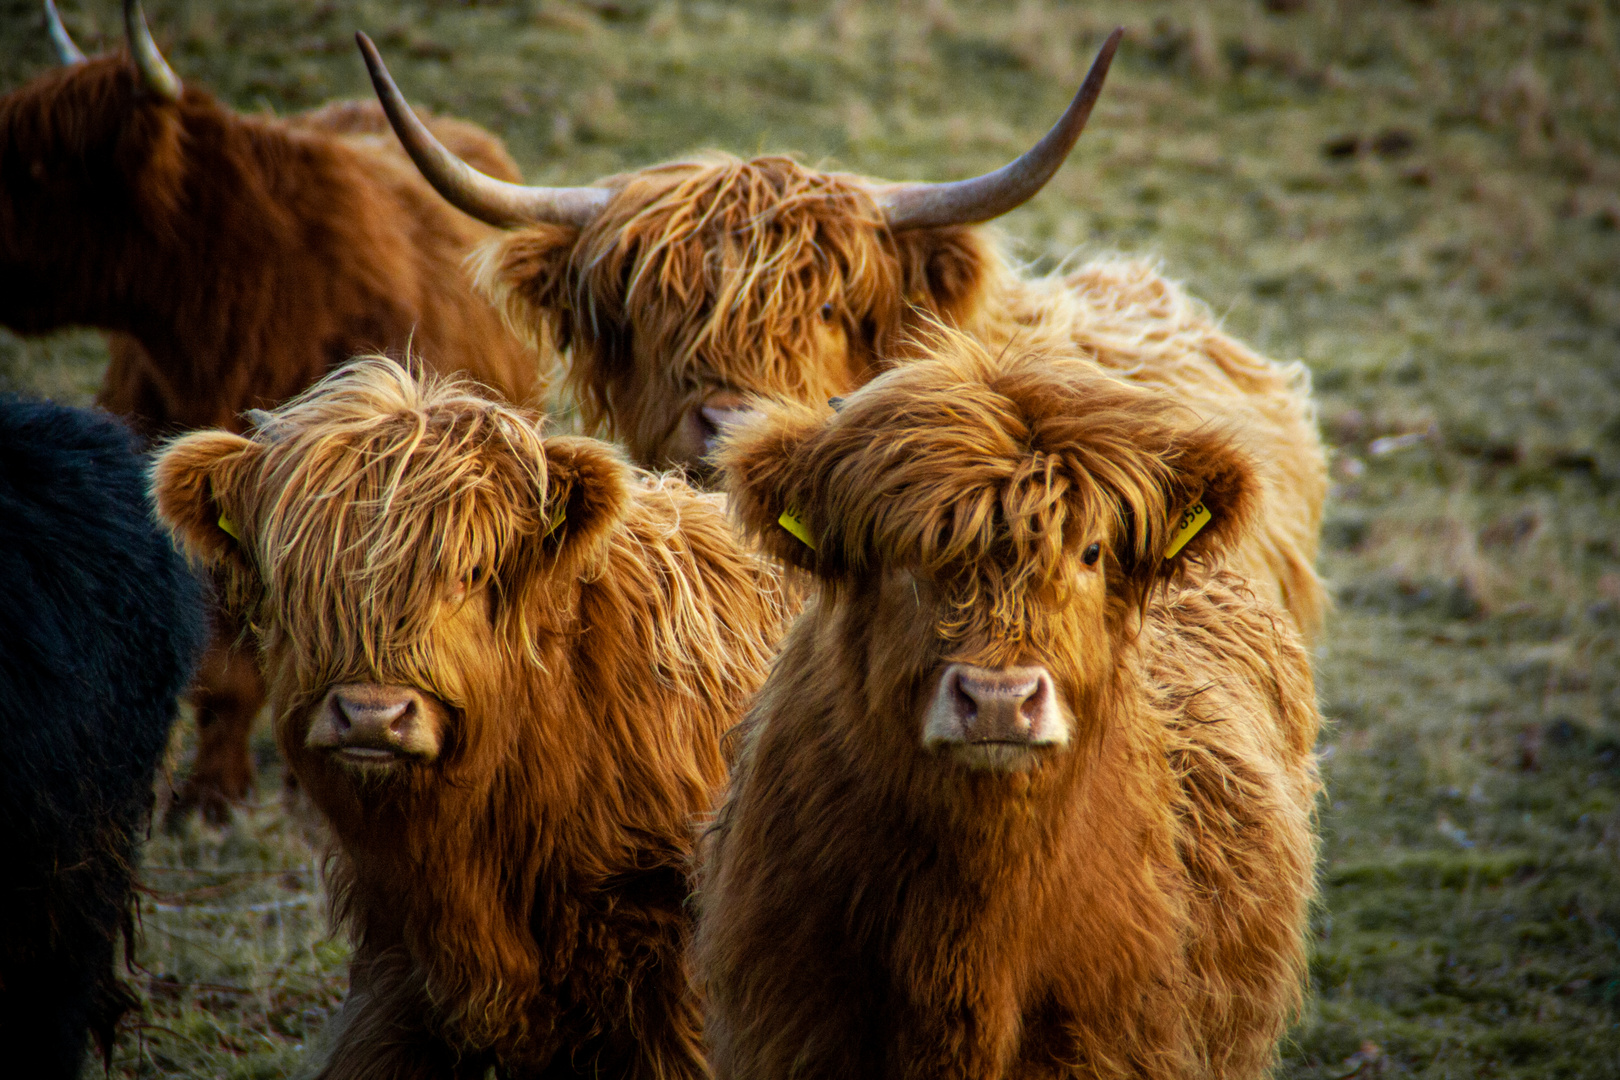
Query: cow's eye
(1091, 554)
(826, 312)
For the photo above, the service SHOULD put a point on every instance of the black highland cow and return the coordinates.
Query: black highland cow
(100, 625)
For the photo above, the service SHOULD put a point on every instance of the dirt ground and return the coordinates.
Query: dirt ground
(1421, 200)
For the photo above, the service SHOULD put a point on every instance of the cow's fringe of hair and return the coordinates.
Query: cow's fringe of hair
(379, 482)
(718, 256)
(972, 477)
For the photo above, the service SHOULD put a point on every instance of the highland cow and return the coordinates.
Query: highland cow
(234, 260)
(100, 624)
(683, 291)
(501, 666)
(1029, 790)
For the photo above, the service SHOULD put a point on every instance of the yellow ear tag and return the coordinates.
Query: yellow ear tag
(230, 529)
(790, 521)
(1195, 518)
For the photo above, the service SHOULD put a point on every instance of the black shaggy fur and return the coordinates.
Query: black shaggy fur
(100, 625)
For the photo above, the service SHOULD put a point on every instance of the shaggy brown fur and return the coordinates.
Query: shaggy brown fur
(1129, 903)
(706, 281)
(235, 260)
(588, 632)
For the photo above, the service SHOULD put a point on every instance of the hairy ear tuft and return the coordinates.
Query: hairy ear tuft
(761, 461)
(151, 152)
(1212, 471)
(1208, 469)
(587, 498)
(525, 275)
(200, 489)
(943, 269)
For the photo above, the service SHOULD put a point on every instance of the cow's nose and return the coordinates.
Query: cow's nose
(718, 420)
(366, 721)
(373, 712)
(998, 706)
(1016, 706)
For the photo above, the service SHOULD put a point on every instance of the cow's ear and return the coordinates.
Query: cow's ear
(201, 486)
(943, 269)
(1210, 497)
(525, 275)
(151, 153)
(763, 462)
(587, 498)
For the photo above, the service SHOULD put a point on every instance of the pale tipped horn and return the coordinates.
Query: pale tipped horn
(156, 75)
(66, 51)
(964, 202)
(493, 201)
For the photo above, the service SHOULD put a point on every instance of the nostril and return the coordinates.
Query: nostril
(966, 704)
(1031, 706)
(402, 722)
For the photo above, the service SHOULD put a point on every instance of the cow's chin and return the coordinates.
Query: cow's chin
(374, 761)
(997, 757)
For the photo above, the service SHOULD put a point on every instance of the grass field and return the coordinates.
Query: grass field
(1420, 200)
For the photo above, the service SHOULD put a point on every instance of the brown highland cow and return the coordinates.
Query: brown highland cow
(1021, 797)
(684, 290)
(234, 260)
(501, 665)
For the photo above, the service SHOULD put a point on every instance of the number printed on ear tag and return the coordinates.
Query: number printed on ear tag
(1195, 518)
(790, 521)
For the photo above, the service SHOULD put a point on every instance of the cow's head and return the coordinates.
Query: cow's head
(404, 551)
(984, 532)
(686, 290)
(92, 167)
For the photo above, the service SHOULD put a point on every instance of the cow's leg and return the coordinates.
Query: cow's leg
(227, 694)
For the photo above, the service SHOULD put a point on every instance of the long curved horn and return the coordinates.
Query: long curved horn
(493, 201)
(156, 75)
(964, 202)
(66, 51)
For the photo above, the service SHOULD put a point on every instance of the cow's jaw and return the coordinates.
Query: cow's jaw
(372, 727)
(998, 719)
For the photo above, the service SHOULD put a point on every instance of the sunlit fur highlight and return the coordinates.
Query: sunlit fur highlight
(711, 273)
(592, 632)
(1131, 904)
